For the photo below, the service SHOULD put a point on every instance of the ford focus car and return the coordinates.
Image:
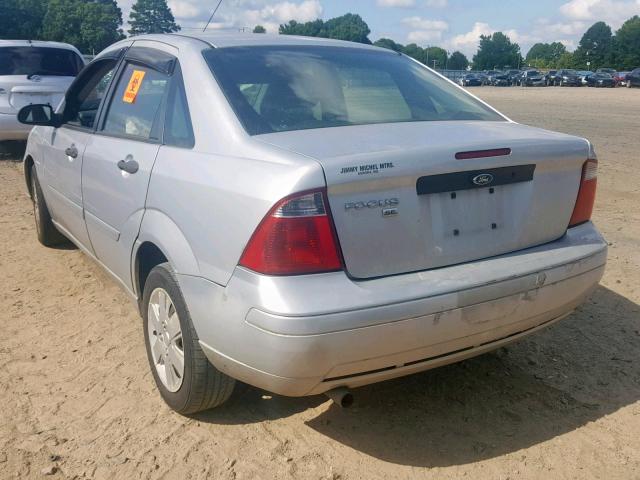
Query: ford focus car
(309, 215)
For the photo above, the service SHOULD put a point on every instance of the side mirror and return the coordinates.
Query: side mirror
(38, 114)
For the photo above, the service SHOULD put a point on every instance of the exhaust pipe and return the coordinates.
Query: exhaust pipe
(341, 396)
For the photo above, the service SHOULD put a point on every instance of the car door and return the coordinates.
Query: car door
(119, 159)
(63, 153)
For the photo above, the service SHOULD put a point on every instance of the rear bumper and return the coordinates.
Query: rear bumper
(11, 129)
(305, 335)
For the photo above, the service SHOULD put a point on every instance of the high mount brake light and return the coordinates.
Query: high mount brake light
(296, 237)
(586, 195)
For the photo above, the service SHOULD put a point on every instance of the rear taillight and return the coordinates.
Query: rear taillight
(586, 195)
(296, 237)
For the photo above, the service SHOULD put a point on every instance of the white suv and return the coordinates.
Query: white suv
(33, 72)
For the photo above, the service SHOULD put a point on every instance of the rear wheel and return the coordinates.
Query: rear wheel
(48, 234)
(184, 376)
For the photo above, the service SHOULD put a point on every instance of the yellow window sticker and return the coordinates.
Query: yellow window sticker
(134, 85)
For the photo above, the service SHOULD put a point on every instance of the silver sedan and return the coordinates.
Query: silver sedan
(309, 215)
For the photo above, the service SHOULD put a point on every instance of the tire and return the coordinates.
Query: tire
(200, 386)
(48, 234)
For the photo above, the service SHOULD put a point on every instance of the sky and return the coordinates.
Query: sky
(451, 24)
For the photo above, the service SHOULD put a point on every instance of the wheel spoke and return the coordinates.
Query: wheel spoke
(157, 349)
(172, 379)
(173, 327)
(176, 359)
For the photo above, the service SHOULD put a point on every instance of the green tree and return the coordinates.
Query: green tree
(151, 16)
(348, 27)
(496, 51)
(388, 43)
(545, 54)
(627, 44)
(259, 29)
(565, 61)
(89, 25)
(458, 61)
(414, 51)
(596, 47)
(22, 19)
(437, 54)
(307, 29)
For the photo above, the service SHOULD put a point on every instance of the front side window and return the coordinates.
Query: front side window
(136, 105)
(84, 99)
(40, 61)
(274, 89)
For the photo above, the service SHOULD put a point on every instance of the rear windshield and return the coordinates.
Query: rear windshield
(39, 61)
(276, 89)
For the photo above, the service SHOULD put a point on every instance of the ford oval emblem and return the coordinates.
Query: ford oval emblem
(483, 179)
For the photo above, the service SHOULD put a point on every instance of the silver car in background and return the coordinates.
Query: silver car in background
(309, 215)
(33, 72)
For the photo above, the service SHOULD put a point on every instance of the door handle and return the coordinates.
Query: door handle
(128, 165)
(72, 151)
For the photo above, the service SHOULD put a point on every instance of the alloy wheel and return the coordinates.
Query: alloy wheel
(165, 339)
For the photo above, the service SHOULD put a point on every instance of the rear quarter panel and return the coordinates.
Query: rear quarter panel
(216, 202)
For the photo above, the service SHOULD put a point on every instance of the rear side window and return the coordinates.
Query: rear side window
(41, 61)
(136, 105)
(178, 131)
(278, 88)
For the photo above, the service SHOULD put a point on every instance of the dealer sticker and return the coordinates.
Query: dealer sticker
(135, 82)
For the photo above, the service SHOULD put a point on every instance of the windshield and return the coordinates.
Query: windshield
(39, 61)
(276, 89)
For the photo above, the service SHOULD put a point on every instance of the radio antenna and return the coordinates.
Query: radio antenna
(212, 15)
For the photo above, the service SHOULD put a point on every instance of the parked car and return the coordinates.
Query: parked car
(513, 76)
(621, 78)
(610, 71)
(501, 80)
(601, 80)
(583, 74)
(483, 78)
(531, 78)
(550, 78)
(32, 72)
(568, 78)
(470, 80)
(347, 216)
(490, 74)
(633, 78)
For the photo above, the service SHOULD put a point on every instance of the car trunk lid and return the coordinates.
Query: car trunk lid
(401, 200)
(20, 90)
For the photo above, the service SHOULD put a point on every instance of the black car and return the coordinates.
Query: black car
(501, 80)
(470, 80)
(633, 79)
(550, 78)
(601, 80)
(513, 75)
(568, 78)
(490, 74)
(531, 78)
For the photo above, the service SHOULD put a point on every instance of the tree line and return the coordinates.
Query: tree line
(90, 25)
(598, 47)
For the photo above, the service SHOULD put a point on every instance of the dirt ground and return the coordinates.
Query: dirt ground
(77, 399)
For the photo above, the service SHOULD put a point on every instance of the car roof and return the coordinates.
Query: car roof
(36, 43)
(245, 39)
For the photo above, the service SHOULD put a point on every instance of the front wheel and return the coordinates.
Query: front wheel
(48, 234)
(184, 376)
